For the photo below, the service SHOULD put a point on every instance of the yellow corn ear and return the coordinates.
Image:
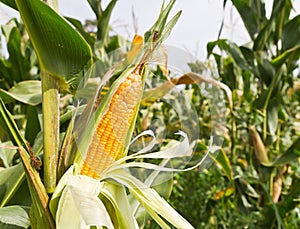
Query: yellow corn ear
(109, 139)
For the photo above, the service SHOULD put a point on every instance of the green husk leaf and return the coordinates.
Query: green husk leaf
(79, 205)
(117, 196)
(91, 126)
(155, 205)
(159, 25)
(59, 189)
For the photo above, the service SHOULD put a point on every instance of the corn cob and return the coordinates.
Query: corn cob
(109, 139)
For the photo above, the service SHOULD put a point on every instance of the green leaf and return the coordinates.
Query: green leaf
(10, 3)
(222, 160)
(13, 176)
(17, 67)
(90, 39)
(61, 50)
(96, 6)
(291, 34)
(266, 70)
(103, 22)
(10, 128)
(33, 126)
(14, 215)
(252, 13)
(231, 49)
(10, 180)
(294, 53)
(265, 34)
(28, 92)
(7, 153)
(20, 65)
(290, 155)
(272, 115)
(262, 39)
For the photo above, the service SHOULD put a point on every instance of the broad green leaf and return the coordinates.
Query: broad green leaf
(28, 92)
(222, 160)
(265, 33)
(17, 67)
(291, 34)
(90, 39)
(7, 153)
(291, 199)
(96, 6)
(103, 22)
(14, 216)
(61, 51)
(33, 125)
(262, 39)
(10, 3)
(294, 53)
(231, 49)
(266, 70)
(40, 215)
(10, 128)
(20, 65)
(272, 115)
(290, 155)
(10, 180)
(14, 174)
(253, 14)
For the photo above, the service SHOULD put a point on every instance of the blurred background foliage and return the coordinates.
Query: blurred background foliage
(254, 182)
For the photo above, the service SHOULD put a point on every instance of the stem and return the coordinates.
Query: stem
(50, 89)
(234, 137)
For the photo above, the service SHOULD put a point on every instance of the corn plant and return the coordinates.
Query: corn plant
(262, 141)
(88, 179)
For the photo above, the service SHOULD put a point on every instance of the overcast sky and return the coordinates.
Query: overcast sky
(199, 23)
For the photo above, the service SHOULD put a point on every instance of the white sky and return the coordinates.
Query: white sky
(199, 23)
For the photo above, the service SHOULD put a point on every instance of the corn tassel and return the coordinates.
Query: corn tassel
(109, 139)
